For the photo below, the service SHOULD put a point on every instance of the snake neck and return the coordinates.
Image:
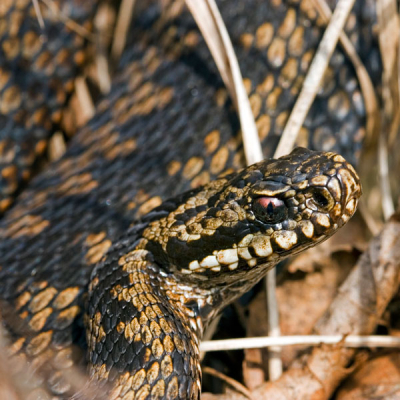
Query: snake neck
(198, 298)
(202, 303)
(143, 337)
(196, 303)
(144, 323)
(191, 303)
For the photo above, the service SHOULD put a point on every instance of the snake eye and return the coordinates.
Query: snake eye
(322, 199)
(269, 209)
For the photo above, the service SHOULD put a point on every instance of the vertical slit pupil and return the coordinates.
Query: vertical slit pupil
(270, 209)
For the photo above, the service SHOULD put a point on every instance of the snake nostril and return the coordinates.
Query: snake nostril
(321, 200)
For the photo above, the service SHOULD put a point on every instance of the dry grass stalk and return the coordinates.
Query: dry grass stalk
(70, 23)
(314, 76)
(367, 88)
(352, 341)
(388, 21)
(38, 13)
(104, 17)
(57, 146)
(85, 99)
(231, 382)
(215, 34)
(275, 366)
(124, 20)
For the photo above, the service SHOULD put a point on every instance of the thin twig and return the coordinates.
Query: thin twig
(367, 88)
(232, 382)
(103, 71)
(38, 13)
(314, 76)
(85, 99)
(210, 22)
(353, 341)
(388, 23)
(387, 202)
(70, 23)
(303, 103)
(275, 366)
(215, 34)
(121, 29)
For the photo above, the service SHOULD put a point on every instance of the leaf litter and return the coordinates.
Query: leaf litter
(324, 291)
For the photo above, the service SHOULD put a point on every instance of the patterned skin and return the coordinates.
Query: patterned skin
(37, 72)
(166, 127)
(164, 281)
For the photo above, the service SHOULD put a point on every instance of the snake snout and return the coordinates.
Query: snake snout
(331, 192)
(351, 191)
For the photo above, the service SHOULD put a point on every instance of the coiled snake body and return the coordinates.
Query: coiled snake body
(166, 127)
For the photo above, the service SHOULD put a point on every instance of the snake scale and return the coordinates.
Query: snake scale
(104, 241)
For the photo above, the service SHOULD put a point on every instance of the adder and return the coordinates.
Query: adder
(105, 231)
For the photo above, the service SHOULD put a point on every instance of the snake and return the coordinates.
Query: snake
(150, 224)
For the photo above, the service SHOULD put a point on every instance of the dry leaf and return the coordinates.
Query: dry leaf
(378, 378)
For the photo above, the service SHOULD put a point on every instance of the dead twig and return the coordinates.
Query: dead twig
(124, 19)
(314, 76)
(70, 23)
(38, 13)
(231, 382)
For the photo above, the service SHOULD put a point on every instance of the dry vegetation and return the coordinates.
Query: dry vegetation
(349, 285)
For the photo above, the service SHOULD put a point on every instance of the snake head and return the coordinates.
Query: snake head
(301, 199)
(256, 217)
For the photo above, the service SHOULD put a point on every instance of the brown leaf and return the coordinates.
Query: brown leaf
(378, 378)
